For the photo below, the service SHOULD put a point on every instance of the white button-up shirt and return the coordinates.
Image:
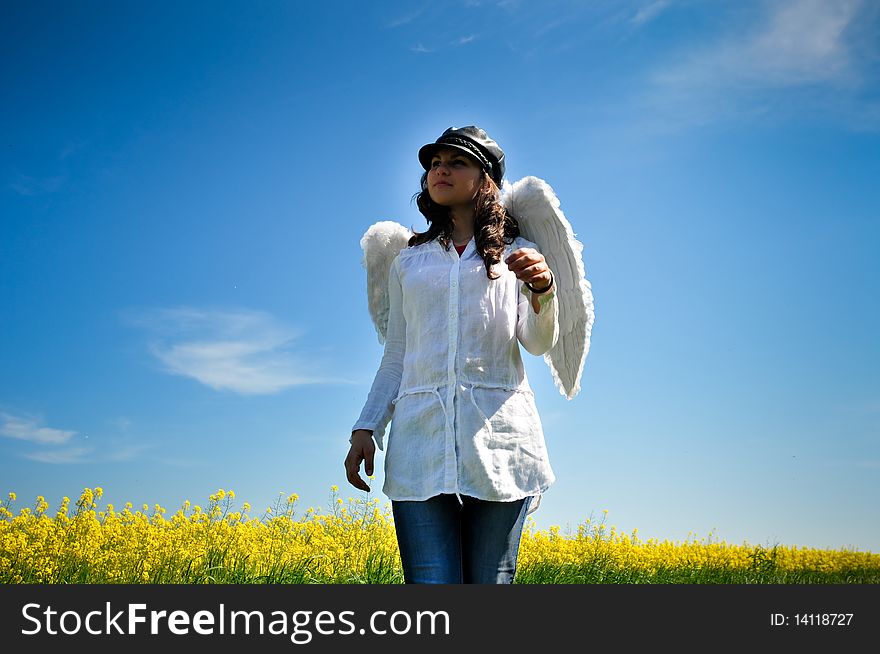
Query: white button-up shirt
(451, 377)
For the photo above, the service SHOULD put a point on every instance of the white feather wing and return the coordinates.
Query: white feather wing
(381, 243)
(534, 204)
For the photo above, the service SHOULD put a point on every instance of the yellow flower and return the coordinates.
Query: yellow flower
(12, 496)
(220, 546)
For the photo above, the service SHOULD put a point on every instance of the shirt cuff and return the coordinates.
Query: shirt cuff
(543, 298)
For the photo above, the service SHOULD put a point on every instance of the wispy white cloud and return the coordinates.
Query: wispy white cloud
(649, 12)
(243, 351)
(406, 19)
(421, 48)
(804, 42)
(29, 429)
(812, 46)
(61, 456)
(64, 446)
(799, 42)
(121, 451)
(502, 4)
(113, 451)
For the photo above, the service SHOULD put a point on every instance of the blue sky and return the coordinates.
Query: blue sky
(183, 190)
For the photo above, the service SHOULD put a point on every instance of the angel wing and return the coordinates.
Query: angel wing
(381, 243)
(534, 204)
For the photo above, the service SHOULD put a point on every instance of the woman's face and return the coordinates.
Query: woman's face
(454, 178)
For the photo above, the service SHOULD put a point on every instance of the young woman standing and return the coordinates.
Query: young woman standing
(465, 457)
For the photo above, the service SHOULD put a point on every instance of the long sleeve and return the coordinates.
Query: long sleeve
(377, 411)
(538, 332)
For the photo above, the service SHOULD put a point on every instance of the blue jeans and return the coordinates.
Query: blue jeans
(443, 541)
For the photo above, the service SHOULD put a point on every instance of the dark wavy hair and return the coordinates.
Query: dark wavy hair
(494, 226)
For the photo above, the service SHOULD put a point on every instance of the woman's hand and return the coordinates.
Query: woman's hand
(530, 267)
(362, 449)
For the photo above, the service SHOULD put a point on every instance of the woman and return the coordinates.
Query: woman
(466, 455)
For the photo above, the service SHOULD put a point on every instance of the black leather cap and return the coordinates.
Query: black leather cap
(473, 141)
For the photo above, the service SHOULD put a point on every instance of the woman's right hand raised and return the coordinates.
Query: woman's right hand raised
(362, 449)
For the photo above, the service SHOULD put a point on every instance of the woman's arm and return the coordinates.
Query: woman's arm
(538, 332)
(537, 326)
(378, 408)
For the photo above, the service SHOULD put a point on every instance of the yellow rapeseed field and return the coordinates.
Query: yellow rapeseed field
(355, 543)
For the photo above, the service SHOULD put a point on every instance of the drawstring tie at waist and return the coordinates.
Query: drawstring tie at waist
(534, 500)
